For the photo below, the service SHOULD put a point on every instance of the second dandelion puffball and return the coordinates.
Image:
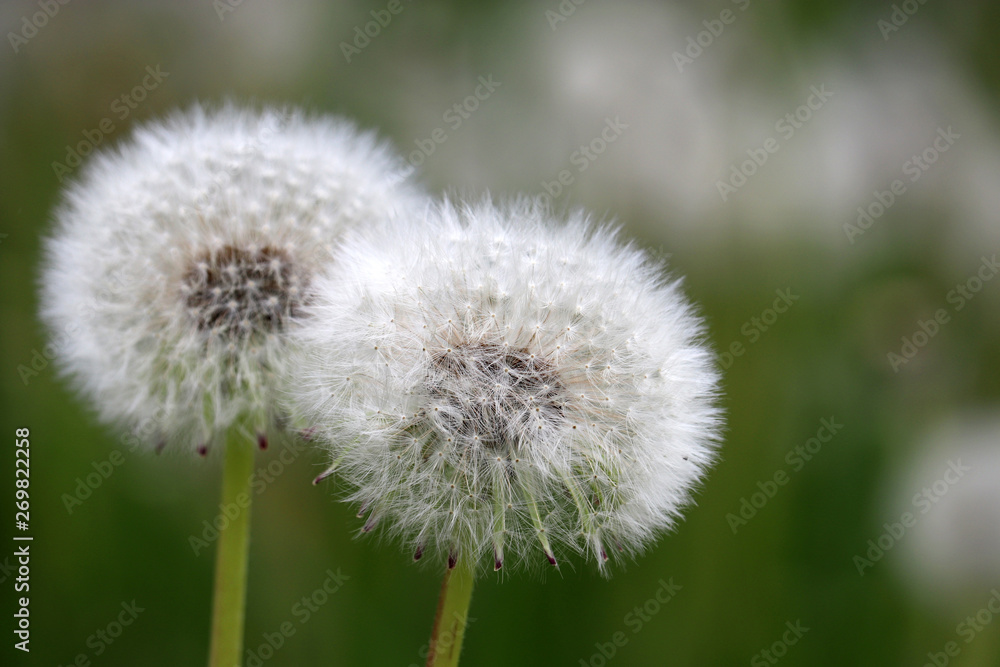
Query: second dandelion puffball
(496, 385)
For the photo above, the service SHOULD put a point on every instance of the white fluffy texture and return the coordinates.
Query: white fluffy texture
(179, 257)
(497, 385)
(952, 554)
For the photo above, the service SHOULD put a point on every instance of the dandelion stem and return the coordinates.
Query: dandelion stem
(452, 615)
(229, 593)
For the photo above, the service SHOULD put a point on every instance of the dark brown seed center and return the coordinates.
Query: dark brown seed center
(238, 292)
(495, 394)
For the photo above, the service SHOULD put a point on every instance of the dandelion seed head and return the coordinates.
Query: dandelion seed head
(528, 352)
(181, 258)
(952, 487)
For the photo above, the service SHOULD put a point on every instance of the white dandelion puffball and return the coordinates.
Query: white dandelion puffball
(952, 552)
(180, 258)
(494, 384)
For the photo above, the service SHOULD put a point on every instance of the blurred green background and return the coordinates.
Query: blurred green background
(896, 75)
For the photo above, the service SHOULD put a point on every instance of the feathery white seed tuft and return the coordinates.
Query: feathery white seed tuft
(180, 259)
(493, 383)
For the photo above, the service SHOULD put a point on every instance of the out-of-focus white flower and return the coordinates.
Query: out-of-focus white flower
(691, 125)
(98, 56)
(620, 61)
(492, 382)
(607, 70)
(880, 124)
(180, 258)
(952, 553)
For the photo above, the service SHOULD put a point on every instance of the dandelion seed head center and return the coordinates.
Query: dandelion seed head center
(236, 292)
(493, 394)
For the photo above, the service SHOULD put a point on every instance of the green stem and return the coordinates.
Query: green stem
(452, 615)
(229, 593)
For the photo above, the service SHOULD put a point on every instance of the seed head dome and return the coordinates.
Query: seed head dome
(181, 258)
(495, 384)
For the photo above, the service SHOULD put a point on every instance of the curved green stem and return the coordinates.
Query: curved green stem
(452, 615)
(229, 593)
